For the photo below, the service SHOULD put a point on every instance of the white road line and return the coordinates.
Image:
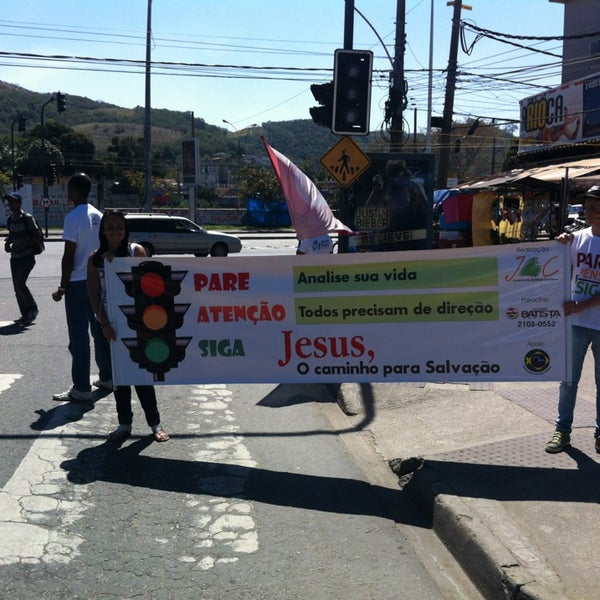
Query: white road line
(32, 513)
(7, 380)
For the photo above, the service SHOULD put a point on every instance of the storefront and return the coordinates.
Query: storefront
(519, 205)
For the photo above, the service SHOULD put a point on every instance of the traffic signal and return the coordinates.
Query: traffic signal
(352, 92)
(61, 103)
(323, 114)
(52, 176)
(22, 123)
(155, 317)
(20, 180)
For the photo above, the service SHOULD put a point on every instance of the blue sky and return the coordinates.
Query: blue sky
(214, 40)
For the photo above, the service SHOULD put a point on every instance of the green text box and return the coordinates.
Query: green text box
(447, 273)
(399, 308)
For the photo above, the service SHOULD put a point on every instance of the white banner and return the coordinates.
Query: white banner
(467, 314)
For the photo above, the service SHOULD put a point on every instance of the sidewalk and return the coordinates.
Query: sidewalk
(522, 523)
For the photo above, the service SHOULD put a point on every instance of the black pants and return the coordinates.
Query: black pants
(147, 398)
(19, 270)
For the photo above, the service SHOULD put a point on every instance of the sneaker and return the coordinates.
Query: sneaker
(559, 441)
(30, 317)
(122, 432)
(72, 395)
(106, 385)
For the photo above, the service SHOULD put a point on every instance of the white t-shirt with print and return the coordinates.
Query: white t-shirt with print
(321, 244)
(82, 226)
(585, 275)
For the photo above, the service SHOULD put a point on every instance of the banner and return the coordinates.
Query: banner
(565, 115)
(469, 314)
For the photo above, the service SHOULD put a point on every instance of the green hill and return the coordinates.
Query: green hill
(300, 140)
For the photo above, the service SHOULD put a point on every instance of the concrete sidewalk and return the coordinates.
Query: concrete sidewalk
(522, 523)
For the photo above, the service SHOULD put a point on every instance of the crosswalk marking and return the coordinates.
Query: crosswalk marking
(7, 380)
(40, 505)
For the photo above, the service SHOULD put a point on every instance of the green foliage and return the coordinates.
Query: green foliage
(259, 182)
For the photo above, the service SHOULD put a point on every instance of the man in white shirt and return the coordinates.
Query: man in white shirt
(81, 228)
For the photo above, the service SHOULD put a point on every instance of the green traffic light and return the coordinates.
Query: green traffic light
(157, 350)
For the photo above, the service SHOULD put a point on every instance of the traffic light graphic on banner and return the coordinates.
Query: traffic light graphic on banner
(155, 317)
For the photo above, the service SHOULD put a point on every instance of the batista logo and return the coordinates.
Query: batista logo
(512, 313)
(537, 361)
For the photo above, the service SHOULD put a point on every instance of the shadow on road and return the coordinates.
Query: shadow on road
(125, 465)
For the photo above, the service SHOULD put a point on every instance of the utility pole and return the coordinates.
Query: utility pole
(446, 133)
(147, 204)
(398, 92)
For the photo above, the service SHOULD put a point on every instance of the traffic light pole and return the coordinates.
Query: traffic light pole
(21, 121)
(343, 245)
(43, 142)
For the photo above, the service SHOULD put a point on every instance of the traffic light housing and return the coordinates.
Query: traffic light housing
(323, 94)
(22, 123)
(155, 317)
(352, 92)
(61, 102)
(20, 180)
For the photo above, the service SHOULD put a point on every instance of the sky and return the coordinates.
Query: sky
(253, 61)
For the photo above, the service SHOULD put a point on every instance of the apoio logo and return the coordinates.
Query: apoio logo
(536, 361)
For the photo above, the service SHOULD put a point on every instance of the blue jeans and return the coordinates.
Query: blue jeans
(19, 270)
(80, 321)
(581, 339)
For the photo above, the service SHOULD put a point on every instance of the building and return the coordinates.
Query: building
(581, 55)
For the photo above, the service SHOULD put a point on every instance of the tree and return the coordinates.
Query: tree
(259, 183)
(35, 156)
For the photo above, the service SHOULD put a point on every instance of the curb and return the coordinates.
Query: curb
(489, 546)
(485, 556)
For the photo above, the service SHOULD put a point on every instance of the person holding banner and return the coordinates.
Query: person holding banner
(584, 310)
(114, 241)
(322, 244)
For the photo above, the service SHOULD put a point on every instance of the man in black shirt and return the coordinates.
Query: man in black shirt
(23, 235)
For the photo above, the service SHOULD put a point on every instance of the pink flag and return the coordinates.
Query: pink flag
(311, 215)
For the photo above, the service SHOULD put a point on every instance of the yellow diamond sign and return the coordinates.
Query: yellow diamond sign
(345, 161)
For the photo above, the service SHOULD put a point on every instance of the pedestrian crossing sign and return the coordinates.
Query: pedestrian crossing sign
(345, 161)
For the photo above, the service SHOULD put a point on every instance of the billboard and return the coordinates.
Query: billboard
(191, 161)
(564, 115)
(390, 204)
